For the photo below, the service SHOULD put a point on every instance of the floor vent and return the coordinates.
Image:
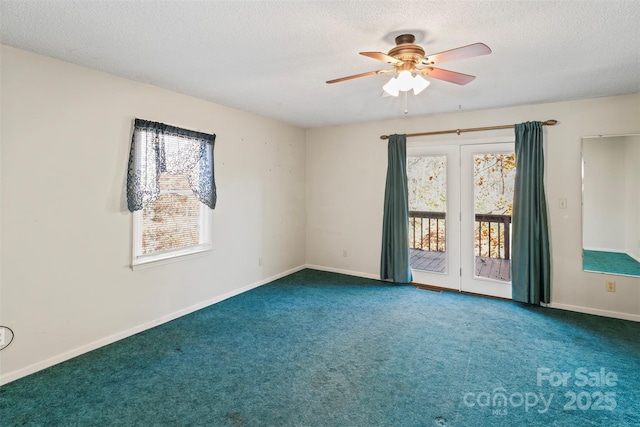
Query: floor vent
(428, 288)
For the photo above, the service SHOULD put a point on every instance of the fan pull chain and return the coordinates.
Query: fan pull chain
(406, 109)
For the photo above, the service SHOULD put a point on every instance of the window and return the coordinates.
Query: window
(170, 190)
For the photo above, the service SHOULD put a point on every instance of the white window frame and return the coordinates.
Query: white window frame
(205, 242)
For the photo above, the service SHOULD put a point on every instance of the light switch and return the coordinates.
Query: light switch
(562, 203)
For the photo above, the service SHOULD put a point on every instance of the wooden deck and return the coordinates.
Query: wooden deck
(492, 268)
(428, 260)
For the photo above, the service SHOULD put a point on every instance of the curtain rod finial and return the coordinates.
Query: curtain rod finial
(384, 136)
(550, 122)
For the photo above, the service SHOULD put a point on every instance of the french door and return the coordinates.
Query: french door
(433, 176)
(460, 201)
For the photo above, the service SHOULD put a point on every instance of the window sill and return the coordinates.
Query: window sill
(171, 257)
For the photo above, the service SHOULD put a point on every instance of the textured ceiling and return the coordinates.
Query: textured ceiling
(272, 58)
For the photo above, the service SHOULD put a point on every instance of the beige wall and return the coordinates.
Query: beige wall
(66, 285)
(346, 170)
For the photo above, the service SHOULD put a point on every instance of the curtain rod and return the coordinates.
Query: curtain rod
(459, 131)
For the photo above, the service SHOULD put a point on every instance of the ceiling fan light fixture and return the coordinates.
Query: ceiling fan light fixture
(405, 80)
(405, 59)
(392, 87)
(419, 84)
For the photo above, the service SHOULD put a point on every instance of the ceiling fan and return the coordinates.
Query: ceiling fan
(407, 60)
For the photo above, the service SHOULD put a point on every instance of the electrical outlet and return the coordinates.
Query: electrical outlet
(260, 262)
(611, 286)
(344, 253)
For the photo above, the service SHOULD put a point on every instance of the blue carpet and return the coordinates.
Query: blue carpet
(610, 262)
(322, 349)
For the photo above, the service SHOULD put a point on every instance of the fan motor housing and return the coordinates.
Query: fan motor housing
(406, 51)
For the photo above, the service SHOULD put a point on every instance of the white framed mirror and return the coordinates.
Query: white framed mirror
(611, 204)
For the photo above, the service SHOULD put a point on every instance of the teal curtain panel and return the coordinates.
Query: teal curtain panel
(394, 264)
(530, 266)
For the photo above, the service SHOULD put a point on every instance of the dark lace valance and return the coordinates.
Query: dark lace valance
(157, 148)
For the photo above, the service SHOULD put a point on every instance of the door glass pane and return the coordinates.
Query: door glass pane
(427, 187)
(494, 177)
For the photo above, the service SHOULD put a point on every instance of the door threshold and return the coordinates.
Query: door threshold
(439, 289)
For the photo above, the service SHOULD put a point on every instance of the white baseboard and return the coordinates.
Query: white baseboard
(23, 372)
(596, 311)
(599, 249)
(340, 271)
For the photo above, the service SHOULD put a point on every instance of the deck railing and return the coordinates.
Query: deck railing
(493, 236)
(427, 231)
